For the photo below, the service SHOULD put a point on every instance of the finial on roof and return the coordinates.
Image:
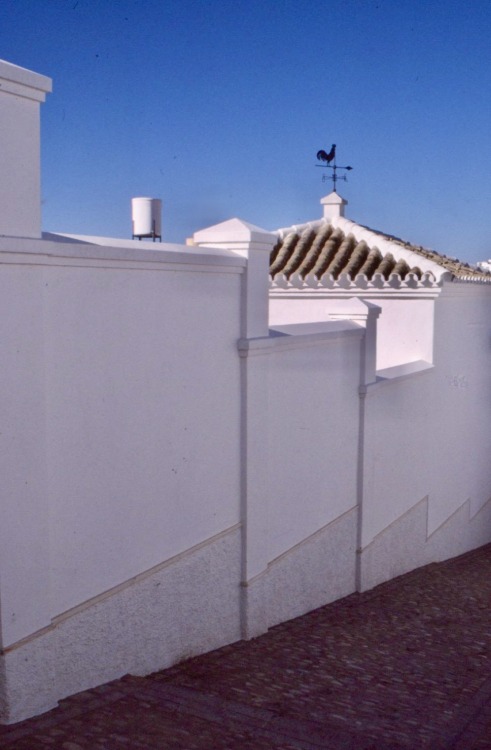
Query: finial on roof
(328, 158)
(333, 205)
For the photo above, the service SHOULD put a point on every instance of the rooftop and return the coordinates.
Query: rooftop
(334, 250)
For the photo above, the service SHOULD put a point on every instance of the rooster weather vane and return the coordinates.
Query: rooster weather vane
(323, 156)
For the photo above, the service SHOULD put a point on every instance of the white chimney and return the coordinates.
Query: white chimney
(21, 92)
(333, 205)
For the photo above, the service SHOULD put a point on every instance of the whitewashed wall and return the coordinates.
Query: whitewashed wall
(141, 420)
(120, 451)
(313, 443)
(427, 475)
(301, 410)
(313, 429)
(175, 476)
(405, 326)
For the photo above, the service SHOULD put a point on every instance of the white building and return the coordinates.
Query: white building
(319, 263)
(189, 457)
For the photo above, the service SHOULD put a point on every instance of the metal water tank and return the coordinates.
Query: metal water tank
(146, 215)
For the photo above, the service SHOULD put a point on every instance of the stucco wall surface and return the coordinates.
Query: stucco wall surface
(24, 529)
(301, 413)
(118, 421)
(427, 438)
(141, 420)
(177, 476)
(182, 608)
(318, 570)
(404, 329)
(313, 430)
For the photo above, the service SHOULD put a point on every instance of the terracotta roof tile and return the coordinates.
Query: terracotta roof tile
(323, 249)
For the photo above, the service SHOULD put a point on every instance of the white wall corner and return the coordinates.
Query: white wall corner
(333, 205)
(256, 245)
(21, 93)
(365, 314)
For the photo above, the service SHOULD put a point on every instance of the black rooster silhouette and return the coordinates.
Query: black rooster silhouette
(323, 156)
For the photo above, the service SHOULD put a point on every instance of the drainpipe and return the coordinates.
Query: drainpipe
(256, 245)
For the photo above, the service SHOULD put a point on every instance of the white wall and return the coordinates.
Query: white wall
(463, 396)
(405, 326)
(24, 530)
(427, 439)
(122, 408)
(141, 420)
(21, 92)
(174, 478)
(300, 469)
(313, 430)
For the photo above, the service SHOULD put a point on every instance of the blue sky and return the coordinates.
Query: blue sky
(219, 108)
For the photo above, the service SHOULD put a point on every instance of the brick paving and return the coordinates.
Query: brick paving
(405, 666)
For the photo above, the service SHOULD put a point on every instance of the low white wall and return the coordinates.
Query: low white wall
(313, 431)
(169, 487)
(141, 420)
(187, 605)
(120, 451)
(463, 360)
(165, 493)
(404, 329)
(302, 415)
(426, 445)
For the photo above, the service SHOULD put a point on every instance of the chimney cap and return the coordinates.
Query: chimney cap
(24, 82)
(333, 205)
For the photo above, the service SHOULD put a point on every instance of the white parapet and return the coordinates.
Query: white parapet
(21, 92)
(256, 245)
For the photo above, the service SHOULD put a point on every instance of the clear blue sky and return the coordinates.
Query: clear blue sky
(219, 108)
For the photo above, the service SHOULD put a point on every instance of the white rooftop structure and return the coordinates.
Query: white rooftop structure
(21, 93)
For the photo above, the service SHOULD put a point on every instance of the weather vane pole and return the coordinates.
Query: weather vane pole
(323, 156)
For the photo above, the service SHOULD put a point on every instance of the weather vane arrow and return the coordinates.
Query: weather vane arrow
(323, 156)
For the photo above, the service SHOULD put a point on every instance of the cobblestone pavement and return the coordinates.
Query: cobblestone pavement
(407, 665)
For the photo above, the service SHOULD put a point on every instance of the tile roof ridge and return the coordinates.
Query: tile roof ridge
(299, 228)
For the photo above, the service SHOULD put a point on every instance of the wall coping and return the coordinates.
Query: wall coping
(234, 231)
(311, 288)
(299, 336)
(76, 249)
(396, 374)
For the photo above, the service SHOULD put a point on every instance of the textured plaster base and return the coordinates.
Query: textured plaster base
(254, 620)
(318, 571)
(313, 573)
(183, 608)
(404, 545)
(27, 679)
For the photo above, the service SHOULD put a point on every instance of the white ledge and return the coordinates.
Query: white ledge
(299, 335)
(398, 373)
